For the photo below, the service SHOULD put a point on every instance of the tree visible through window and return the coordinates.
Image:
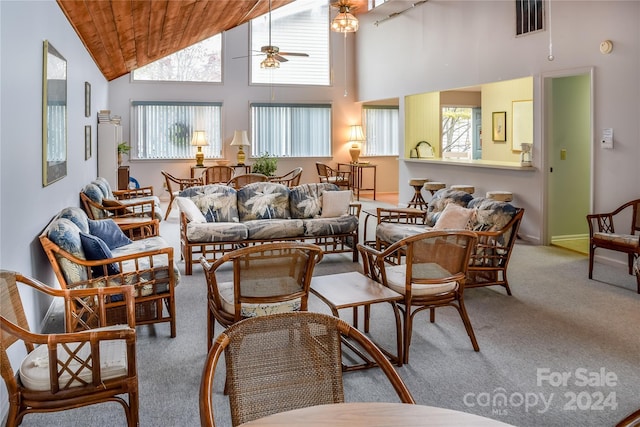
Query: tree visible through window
(201, 62)
(456, 132)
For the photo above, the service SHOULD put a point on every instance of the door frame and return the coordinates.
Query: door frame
(546, 152)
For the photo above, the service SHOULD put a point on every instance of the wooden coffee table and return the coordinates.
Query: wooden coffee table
(353, 290)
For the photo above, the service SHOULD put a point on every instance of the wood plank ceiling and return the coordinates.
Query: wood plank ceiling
(122, 35)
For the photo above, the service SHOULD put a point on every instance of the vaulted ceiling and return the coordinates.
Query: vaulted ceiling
(122, 35)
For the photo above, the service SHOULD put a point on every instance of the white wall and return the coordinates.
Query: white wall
(236, 94)
(25, 206)
(446, 44)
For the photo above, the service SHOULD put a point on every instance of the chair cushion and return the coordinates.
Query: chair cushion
(109, 232)
(77, 216)
(305, 200)
(454, 217)
(189, 208)
(34, 369)
(335, 203)
(627, 240)
(267, 229)
(254, 310)
(66, 234)
(441, 199)
(96, 249)
(391, 233)
(396, 277)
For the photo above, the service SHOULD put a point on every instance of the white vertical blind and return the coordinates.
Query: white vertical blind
(381, 130)
(291, 130)
(163, 130)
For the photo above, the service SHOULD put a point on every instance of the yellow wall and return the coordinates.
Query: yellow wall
(499, 97)
(423, 122)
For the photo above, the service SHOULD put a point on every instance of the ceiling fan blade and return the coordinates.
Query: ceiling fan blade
(280, 58)
(294, 54)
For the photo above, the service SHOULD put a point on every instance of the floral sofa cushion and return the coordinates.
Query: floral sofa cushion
(225, 290)
(272, 229)
(210, 232)
(263, 200)
(305, 201)
(217, 202)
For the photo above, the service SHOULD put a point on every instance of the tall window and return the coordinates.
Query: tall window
(456, 132)
(201, 62)
(381, 130)
(163, 130)
(291, 130)
(301, 26)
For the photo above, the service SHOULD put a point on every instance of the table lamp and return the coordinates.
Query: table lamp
(239, 140)
(355, 137)
(199, 140)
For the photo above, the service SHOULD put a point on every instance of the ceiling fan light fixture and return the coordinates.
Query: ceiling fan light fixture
(270, 62)
(344, 22)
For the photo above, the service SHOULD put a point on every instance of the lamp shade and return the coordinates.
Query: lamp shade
(356, 134)
(240, 138)
(199, 139)
(344, 22)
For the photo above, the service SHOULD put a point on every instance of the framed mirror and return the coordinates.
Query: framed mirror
(54, 115)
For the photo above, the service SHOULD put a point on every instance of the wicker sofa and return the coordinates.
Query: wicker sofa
(215, 219)
(71, 242)
(100, 201)
(496, 223)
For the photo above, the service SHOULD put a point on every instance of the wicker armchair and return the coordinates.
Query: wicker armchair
(602, 233)
(240, 181)
(285, 361)
(100, 201)
(432, 276)
(328, 174)
(146, 264)
(70, 359)
(290, 179)
(181, 184)
(267, 278)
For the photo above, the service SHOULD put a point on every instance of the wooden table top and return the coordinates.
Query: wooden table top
(352, 289)
(374, 414)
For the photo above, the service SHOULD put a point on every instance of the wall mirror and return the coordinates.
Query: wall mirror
(54, 115)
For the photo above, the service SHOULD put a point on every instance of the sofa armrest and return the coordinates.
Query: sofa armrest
(138, 228)
(133, 193)
(401, 215)
(355, 208)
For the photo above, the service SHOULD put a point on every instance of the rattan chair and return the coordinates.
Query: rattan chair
(267, 278)
(283, 362)
(631, 420)
(240, 181)
(603, 234)
(333, 176)
(290, 179)
(432, 275)
(70, 359)
(181, 184)
(217, 174)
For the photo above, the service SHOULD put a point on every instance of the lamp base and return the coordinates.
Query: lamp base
(199, 159)
(355, 153)
(241, 157)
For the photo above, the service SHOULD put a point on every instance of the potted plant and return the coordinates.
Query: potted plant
(265, 164)
(123, 148)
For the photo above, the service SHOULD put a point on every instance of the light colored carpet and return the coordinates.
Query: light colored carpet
(556, 323)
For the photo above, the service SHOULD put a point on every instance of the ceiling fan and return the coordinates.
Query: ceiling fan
(273, 53)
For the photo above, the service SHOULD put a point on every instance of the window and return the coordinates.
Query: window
(380, 130)
(291, 130)
(456, 132)
(162, 130)
(529, 16)
(301, 26)
(201, 62)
